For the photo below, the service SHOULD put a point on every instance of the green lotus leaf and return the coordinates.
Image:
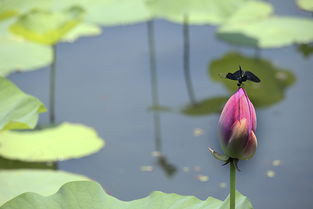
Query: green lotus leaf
(210, 11)
(62, 142)
(274, 80)
(269, 32)
(249, 12)
(83, 29)
(9, 8)
(112, 12)
(44, 182)
(87, 194)
(305, 5)
(18, 110)
(205, 107)
(17, 54)
(7, 14)
(46, 27)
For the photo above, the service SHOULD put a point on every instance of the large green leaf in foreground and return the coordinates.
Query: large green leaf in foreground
(46, 27)
(87, 195)
(269, 91)
(58, 143)
(269, 32)
(44, 182)
(18, 110)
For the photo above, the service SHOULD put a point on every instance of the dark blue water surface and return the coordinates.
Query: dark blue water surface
(104, 82)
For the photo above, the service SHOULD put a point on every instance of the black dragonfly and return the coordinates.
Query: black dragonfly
(242, 76)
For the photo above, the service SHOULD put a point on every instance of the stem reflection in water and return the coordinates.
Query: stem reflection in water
(186, 58)
(169, 169)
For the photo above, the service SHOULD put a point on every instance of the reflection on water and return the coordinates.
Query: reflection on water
(168, 168)
(186, 60)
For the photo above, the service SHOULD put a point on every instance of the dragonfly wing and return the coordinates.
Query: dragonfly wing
(252, 77)
(238, 74)
(231, 76)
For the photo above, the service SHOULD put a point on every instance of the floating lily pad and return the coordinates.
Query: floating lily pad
(63, 142)
(17, 54)
(44, 182)
(198, 11)
(16, 7)
(87, 194)
(18, 110)
(210, 11)
(205, 107)
(46, 27)
(83, 29)
(269, 32)
(7, 14)
(305, 5)
(274, 80)
(249, 12)
(112, 12)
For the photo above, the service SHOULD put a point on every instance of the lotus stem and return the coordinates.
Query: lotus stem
(232, 202)
(52, 87)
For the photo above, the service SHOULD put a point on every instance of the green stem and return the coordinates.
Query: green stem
(52, 87)
(232, 203)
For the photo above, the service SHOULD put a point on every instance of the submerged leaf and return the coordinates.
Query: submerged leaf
(306, 49)
(269, 91)
(59, 143)
(18, 110)
(44, 182)
(205, 107)
(85, 194)
(17, 164)
(46, 27)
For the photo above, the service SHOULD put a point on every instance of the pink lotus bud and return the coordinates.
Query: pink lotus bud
(237, 125)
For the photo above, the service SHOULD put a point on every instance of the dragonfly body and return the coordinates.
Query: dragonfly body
(242, 76)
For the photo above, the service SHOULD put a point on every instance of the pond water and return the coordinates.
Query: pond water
(104, 82)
